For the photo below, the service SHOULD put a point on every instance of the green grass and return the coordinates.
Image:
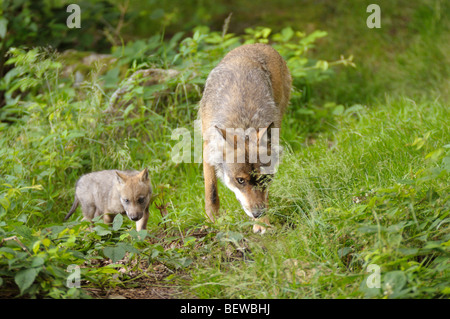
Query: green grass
(364, 177)
(325, 237)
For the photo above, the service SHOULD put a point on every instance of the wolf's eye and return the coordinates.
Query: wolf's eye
(240, 180)
(141, 200)
(126, 200)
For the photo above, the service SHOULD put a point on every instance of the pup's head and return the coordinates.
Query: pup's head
(248, 165)
(135, 193)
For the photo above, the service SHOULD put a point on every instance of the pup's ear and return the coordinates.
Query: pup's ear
(265, 135)
(121, 178)
(143, 176)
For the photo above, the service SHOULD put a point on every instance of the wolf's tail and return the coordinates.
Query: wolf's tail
(73, 208)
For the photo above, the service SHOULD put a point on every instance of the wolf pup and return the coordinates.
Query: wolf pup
(241, 110)
(112, 192)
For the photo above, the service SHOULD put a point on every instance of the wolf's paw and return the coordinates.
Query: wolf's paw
(258, 227)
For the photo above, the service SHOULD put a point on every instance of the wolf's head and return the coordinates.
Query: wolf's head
(135, 193)
(246, 162)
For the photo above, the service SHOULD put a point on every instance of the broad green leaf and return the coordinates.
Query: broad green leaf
(342, 252)
(338, 110)
(128, 248)
(5, 203)
(287, 33)
(37, 262)
(102, 231)
(25, 278)
(36, 246)
(185, 261)
(354, 109)
(47, 242)
(394, 281)
(114, 253)
(435, 155)
(369, 292)
(266, 32)
(118, 221)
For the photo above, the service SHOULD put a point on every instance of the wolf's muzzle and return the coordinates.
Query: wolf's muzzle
(258, 212)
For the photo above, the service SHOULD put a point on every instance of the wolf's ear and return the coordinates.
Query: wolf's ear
(143, 176)
(222, 132)
(265, 134)
(121, 178)
(234, 137)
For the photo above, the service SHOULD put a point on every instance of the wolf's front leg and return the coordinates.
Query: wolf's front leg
(212, 202)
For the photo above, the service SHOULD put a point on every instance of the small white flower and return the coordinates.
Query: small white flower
(388, 289)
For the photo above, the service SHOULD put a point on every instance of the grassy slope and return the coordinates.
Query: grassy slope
(325, 247)
(317, 185)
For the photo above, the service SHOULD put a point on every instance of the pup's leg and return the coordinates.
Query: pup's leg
(142, 223)
(212, 203)
(89, 211)
(260, 228)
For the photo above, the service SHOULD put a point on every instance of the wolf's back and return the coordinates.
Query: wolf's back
(250, 87)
